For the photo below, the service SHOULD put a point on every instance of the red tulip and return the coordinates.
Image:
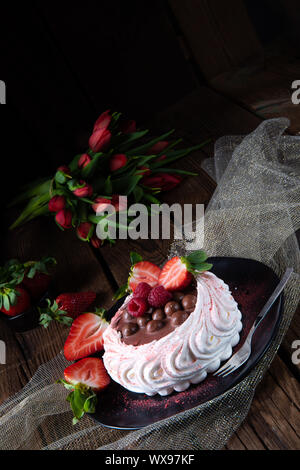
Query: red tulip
(85, 231)
(64, 218)
(84, 160)
(119, 202)
(163, 181)
(128, 127)
(158, 147)
(65, 169)
(57, 203)
(100, 139)
(100, 204)
(117, 161)
(103, 121)
(161, 158)
(96, 242)
(85, 191)
(144, 170)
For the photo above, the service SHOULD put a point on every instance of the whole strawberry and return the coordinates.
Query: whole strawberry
(36, 277)
(66, 307)
(14, 300)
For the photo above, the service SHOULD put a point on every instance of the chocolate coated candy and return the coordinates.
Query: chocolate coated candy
(130, 329)
(142, 321)
(189, 301)
(127, 316)
(158, 314)
(179, 317)
(172, 307)
(154, 325)
(178, 296)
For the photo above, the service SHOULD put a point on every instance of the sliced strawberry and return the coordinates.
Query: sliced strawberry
(85, 337)
(14, 301)
(144, 271)
(177, 272)
(85, 378)
(141, 271)
(90, 372)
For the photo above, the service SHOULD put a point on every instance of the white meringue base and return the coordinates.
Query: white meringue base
(187, 354)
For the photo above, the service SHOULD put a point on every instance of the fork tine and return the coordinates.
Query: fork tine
(223, 368)
(228, 371)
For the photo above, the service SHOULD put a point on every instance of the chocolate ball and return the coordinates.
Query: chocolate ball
(172, 307)
(150, 310)
(128, 317)
(178, 296)
(189, 301)
(130, 329)
(154, 325)
(179, 317)
(158, 314)
(142, 321)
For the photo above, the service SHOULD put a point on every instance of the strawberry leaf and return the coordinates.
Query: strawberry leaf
(82, 399)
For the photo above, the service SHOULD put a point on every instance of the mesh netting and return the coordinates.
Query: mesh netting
(254, 213)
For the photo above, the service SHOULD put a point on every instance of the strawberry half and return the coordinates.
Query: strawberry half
(85, 337)
(141, 271)
(89, 371)
(66, 307)
(144, 271)
(178, 272)
(85, 378)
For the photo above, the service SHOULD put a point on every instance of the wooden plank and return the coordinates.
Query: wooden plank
(218, 39)
(273, 416)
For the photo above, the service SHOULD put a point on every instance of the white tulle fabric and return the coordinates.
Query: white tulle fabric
(184, 356)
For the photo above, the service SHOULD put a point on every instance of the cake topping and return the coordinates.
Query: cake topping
(130, 329)
(178, 272)
(172, 307)
(142, 321)
(155, 322)
(179, 317)
(154, 325)
(158, 314)
(137, 307)
(189, 301)
(142, 290)
(159, 296)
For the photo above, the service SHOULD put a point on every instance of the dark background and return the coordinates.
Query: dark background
(65, 62)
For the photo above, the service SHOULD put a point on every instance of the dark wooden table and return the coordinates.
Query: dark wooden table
(273, 420)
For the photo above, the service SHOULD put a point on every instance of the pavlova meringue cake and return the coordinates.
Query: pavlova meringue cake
(177, 326)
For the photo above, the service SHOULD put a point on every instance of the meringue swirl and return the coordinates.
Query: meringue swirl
(186, 355)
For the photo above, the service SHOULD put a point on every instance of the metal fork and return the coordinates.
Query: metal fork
(243, 354)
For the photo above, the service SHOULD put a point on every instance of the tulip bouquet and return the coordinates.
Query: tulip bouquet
(120, 161)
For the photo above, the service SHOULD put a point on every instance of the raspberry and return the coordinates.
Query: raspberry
(137, 307)
(142, 290)
(159, 296)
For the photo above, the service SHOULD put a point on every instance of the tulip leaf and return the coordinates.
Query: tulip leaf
(90, 169)
(148, 145)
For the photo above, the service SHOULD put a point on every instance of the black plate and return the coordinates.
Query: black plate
(251, 284)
